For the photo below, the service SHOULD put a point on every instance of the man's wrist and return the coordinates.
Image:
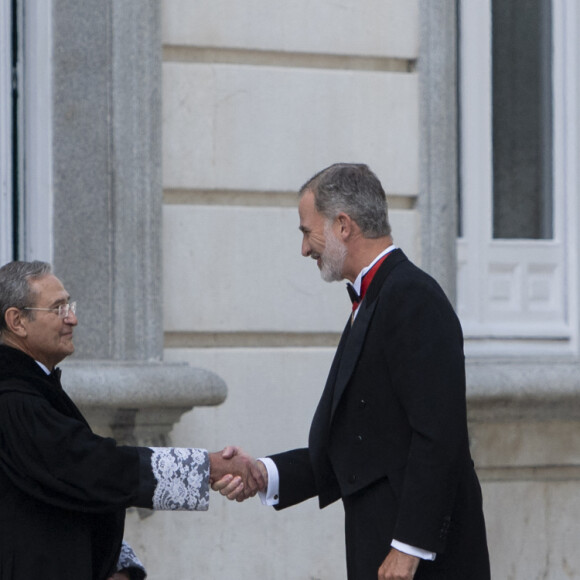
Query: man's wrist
(413, 550)
(215, 460)
(270, 495)
(263, 471)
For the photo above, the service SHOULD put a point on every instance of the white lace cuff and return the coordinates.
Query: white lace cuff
(128, 559)
(182, 476)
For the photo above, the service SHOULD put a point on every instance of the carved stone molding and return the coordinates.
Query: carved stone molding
(542, 390)
(138, 403)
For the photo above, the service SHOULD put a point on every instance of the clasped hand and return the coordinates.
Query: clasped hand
(236, 475)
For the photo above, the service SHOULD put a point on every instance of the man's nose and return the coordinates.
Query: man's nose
(71, 319)
(306, 251)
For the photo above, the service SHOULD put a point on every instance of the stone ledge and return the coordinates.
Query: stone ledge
(139, 402)
(499, 390)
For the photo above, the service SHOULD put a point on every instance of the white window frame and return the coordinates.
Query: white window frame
(34, 131)
(5, 132)
(37, 239)
(517, 297)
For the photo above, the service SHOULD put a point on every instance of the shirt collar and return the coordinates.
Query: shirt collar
(357, 283)
(43, 367)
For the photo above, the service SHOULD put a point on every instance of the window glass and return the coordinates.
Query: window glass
(522, 119)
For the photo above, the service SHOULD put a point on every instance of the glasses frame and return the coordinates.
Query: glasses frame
(63, 310)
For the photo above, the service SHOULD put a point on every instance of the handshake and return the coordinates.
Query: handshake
(235, 474)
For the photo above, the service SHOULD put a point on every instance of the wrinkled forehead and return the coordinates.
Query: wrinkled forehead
(48, 290)
(307, 207)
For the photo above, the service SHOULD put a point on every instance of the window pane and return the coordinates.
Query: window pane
(522, 125)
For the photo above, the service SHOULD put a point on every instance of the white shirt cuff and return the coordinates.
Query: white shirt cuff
(413, 551)
(270, 496)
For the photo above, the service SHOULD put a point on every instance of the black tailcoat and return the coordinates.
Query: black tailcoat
(389, 435)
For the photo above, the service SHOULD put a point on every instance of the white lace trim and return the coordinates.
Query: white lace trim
(182, 476)
(128, 559)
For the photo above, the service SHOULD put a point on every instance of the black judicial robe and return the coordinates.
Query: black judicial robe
(63, 489)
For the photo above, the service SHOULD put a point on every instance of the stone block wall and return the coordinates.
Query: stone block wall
(256, 99)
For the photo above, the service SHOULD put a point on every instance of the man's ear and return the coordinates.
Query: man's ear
(15, 322)
(345, 224)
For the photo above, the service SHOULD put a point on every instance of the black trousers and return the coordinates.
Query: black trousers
(370, 517)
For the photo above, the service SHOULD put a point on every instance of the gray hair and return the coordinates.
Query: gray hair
(355, 190)
(15, 291)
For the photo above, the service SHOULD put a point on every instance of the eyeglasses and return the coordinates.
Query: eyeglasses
(63, 311)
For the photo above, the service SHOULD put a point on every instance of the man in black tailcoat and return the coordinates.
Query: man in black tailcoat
(389, 436)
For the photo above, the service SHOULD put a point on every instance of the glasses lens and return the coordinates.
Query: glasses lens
(65, 310)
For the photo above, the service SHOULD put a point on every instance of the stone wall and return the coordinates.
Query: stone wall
(256, 99)
(240, 103)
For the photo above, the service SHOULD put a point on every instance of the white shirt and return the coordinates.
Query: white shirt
(270, 496)
(358, 281)
(43, 367)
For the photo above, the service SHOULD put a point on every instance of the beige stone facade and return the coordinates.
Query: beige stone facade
(180, 132)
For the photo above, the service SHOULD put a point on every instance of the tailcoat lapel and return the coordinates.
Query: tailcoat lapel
(347, 355)
(355, 340)
(352, 350)
(321, 420)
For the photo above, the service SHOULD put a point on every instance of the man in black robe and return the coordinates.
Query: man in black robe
(63, 489)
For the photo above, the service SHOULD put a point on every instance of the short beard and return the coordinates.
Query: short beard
(333, 257)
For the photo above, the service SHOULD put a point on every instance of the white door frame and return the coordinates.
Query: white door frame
(5, 132)
(37, 239)
(34, 126)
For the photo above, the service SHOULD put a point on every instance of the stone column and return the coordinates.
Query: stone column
(107, 85)
(438, 195)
